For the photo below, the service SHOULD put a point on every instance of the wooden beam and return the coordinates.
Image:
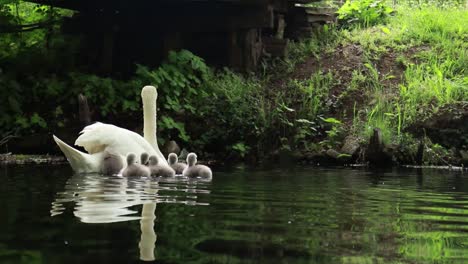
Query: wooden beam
(122, 6)
(173, 19)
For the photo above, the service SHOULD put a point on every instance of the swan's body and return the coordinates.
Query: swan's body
(194, 170)
(99, 139)
(179, 167)
(135, 169)
(159, 170)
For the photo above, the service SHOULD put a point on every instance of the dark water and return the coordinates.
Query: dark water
(301, 215)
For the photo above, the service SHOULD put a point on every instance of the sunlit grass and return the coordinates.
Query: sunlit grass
(440, 76)
(433, 44)
(413, 27)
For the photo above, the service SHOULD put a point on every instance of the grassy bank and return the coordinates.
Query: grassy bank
(404, 74)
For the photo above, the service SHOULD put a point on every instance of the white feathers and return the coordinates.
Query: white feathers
(79, 161)
(99, 137)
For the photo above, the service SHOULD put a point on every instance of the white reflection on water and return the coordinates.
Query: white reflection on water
(107, 199)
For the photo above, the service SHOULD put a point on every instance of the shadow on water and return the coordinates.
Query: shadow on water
(293, 215)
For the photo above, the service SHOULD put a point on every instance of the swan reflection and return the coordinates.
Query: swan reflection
(95, 198)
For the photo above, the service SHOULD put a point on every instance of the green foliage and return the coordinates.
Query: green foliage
(298, 111)
(17, 21)
(178, 81)
(241, 148)
(234, 113)
(34, 55)
(435, 154)
(364, 12)
(380, 116)
(315, 92)
(323, 40)
(335, 133)
(112, 96)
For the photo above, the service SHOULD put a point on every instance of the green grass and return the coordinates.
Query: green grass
(432, 45)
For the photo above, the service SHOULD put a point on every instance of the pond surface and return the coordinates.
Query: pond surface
(298, 215)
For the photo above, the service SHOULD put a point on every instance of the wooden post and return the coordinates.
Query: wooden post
(252, 48)
(234, 50)
(281, 27)
(83, 109)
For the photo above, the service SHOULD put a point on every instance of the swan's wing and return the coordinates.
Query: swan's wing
(79, 161)
(99, 137)
(96, 137)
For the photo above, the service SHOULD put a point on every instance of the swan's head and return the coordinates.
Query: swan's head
(191, 159)
(172, 159)
(153, 161)
(144, 158)
(131, 157)
(150, 93)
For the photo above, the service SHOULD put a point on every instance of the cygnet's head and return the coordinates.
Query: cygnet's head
(131, 157)
(172, 159)
(144, 158)
(153, 161)
(191, 159)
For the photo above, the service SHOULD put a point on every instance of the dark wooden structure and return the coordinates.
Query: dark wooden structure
(117, 34)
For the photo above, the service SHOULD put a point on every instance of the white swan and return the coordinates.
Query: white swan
(100, 138)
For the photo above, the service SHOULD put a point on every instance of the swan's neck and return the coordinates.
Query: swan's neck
(149, 96)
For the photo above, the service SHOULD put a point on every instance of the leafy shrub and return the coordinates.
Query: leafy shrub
(364, 12)
(180, 85)
(200, 107)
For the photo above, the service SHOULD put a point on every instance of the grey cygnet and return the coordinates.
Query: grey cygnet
(111, 164)
(135, 169)
(160, 170)
(193, 170)
(179, 167)
(144, 158)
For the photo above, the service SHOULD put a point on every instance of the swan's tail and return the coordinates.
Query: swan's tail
(79, 161)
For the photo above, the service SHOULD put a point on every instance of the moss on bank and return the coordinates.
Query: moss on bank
(22, 159)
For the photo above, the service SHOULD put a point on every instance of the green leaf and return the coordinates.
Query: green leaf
(385, 30)
(331, 120)
(305, 121)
